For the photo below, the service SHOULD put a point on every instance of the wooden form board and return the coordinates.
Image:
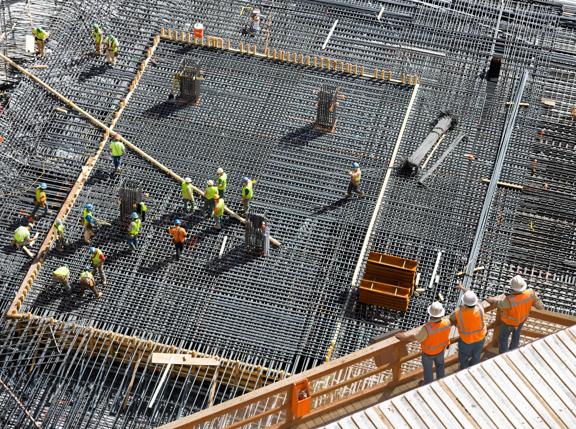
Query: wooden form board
(182, 359)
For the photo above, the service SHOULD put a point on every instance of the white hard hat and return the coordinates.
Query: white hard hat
(188, 180)
(518, 284)
(470, 299)
(210, 182)
(220, 170)
(436, 309)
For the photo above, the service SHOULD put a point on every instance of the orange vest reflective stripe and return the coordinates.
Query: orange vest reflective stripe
(438, 337)
(471, 326)
(520, 306)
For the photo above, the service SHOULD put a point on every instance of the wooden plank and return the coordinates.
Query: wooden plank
(407, 412)
(377, 418)
(557, 349)
(507, 407)
(469, 403)
(183, 359)
(549, 394)
(414, 400)
(512, 391)
(567, 340)
(453, 405)
(362, 421)
(490, 407)
(438, 407)
(347, 423)
(393, 416)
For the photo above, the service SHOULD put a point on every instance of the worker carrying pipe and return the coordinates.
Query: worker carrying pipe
(514, 310)
(40, 38)
(178, 234)
(40, 200)
(98, 36)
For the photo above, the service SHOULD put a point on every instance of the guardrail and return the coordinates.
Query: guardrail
(386, 366)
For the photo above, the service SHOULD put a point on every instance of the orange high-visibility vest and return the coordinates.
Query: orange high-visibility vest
(438, 337)
(178, 234)
(520, 306)
(471, 326)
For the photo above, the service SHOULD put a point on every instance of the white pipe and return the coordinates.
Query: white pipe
(329, 35)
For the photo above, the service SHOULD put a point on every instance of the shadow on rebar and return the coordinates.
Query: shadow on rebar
(302, 135)
(158, 264)
(164, 109)
(95, 70)
(333, 206)
(233, 258)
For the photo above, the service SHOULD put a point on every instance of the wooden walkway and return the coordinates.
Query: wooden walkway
(532, 387)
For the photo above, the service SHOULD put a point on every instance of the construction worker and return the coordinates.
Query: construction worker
(98, 36)
(178, 234)
(89, 222)
(22, 236)
(515, 308)
(141, 208)
(188, 195)
(112, 46)
(247, 192)
(97, 259)
(134, 230)
(62, 276)
(118, 150)
(469, 318)
(87, 281)
(433, 337)
(209, 195)
(40, 200)
(221, 182)
(40, 37)
(218, 211)
(60, 241)
(355, 178)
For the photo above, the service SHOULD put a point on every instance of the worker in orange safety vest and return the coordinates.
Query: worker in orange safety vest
(515, 308)
(469, 318)
(433, 337)
(178, 234)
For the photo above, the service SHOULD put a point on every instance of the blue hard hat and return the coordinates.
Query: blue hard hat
(89, 207)
(43, 185)
(355, 165)
(177, 222)
(134, 215)
(92, 250)
(245, 179)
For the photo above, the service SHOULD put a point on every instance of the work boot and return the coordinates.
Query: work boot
(348, 195)
(361, 195)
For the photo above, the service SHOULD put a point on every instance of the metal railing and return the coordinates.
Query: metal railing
(386, 367)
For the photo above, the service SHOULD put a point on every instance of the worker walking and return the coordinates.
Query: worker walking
(221, 182)
(112, 47)
(97, 259)
(62, 276)
(188, 195)
(210, 194)
(59, 235)
(515, 308)
(247, 192)
(89, 222)
(40, 37)
(98, 36)
(469, 318)
(178, 234)
(218, 212)
(355, 178)
(22, 236)
(118, 150)
(87, 281)
(433, 337)
(134, 230)
(40, 200)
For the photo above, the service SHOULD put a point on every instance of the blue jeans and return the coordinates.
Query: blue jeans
(117, 161)
(133, 242)
(469, 354)
(428, 361)
(504, 337)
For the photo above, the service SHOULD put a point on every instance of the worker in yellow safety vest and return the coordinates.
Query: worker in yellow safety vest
(142, 208)
(112, 47)
(134, 230)
(469, 318)
(355, 178)
(89, 222)
(218, 212)
(118, 150)
(98, 36)
(433, 337)
(59, 235)
(62, 275)
(210, 194)
(40, 200)
(40, 37)
(514, 310)
(87, 281)
(188, 195)
(247, 192)
(97, 259)
(221, 182)
(22, 236)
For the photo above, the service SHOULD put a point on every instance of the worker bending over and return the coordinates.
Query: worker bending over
(514, 310)
(355, 178)
(59, 235)
(433, 337)
(117, 150)
(247, 192)
(469, 318)
(178, 234)
(97, 259)
(89, 222)
(188, 195)
(62, 276)
(134, 230)
(40, 37)
(112, 47)
(98, 36)
(22, 236)
(210, 194)
(40, 200)
(87, 281)
(221, 182)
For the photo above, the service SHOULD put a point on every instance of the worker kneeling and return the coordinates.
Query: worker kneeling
(22, 236)
(87, 281)
(433, 337)
(62, 276)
